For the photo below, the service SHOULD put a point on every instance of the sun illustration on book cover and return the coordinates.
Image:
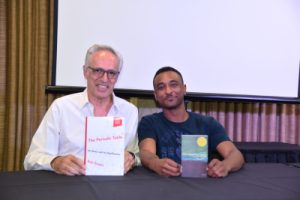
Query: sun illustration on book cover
(201, 141)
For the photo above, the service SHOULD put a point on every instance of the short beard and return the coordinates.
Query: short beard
(171, 107)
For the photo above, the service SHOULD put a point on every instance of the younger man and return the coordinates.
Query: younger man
(160, 133)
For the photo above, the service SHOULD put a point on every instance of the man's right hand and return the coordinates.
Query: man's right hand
(165, 167)
(68, 165)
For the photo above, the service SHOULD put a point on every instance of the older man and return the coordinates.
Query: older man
(58, 143)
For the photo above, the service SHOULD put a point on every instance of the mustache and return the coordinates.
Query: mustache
(169, 95)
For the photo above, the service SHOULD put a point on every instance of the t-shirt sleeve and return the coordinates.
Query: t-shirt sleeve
(218, 133)
(146, 129)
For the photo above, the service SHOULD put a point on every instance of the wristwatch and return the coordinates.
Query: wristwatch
(133, 156)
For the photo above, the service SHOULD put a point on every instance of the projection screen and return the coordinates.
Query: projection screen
(249, 47)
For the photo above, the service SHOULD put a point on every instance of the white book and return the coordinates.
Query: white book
(104, 146)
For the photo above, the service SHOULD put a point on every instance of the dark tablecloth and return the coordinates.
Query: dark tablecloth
(255, 181)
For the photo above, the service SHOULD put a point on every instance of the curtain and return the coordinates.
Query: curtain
(246, 122)
(255, 122)
(3, 20)
(27, 45)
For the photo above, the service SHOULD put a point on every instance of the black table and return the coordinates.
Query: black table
(270, 152)
(255, 181)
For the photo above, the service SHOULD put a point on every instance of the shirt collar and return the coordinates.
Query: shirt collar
(83, 101)
(116, 106)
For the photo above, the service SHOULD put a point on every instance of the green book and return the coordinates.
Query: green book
(194, 155)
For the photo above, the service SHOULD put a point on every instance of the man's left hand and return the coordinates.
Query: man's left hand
(217, 168)
(128, 162)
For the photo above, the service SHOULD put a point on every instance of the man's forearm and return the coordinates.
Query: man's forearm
(234, 161)
(148, 159)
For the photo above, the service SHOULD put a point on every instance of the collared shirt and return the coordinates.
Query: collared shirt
(62, 129)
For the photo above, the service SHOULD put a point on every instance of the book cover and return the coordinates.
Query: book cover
(104, 146)
(194, 155)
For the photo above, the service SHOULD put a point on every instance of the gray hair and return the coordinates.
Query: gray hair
(97, 48)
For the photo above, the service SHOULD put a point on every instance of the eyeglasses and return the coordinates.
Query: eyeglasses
(99, 72)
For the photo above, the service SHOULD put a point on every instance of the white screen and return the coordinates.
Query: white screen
(249, 47)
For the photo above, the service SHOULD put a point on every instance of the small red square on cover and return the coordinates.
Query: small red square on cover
(117, 122)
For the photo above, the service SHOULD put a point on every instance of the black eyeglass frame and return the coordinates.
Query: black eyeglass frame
(111, 74)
